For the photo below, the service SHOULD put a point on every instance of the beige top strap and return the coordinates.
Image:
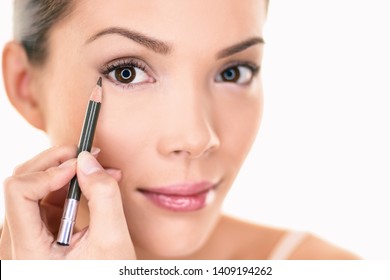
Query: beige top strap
(287, 245)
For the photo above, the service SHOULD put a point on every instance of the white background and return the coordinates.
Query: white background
(321, 161)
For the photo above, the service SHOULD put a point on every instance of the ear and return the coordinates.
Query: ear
(17, 75)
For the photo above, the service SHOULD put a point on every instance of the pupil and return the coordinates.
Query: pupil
(230, 74)
(126, 74)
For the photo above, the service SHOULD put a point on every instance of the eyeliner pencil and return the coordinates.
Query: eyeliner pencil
(85, 144)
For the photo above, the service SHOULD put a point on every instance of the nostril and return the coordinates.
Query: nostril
(181, 152)
(193, 139)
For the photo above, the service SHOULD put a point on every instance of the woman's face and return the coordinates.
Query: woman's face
(181, 107)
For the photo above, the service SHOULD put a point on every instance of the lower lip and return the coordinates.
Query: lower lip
(181, 203)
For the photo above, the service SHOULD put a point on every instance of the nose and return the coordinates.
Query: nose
(189, 130)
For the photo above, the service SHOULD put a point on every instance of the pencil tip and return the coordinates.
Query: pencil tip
(96, 94)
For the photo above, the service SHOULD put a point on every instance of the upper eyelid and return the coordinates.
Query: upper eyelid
(139, 63)
(253, 66)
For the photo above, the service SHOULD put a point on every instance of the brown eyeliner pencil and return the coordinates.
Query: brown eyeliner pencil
(85, 144)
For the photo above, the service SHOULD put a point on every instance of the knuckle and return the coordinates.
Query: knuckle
(19, 169)
(48, 176)
(49, 173)
(10, 184)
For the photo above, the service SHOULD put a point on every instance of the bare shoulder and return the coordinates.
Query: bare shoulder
(253, 241)
(315, 248)
(248, 240)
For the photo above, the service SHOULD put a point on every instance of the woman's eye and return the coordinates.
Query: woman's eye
(128, 74)
(240, 74)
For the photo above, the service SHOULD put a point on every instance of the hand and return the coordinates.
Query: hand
(33, 195)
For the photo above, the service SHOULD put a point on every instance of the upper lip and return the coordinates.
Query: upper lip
(186, 188)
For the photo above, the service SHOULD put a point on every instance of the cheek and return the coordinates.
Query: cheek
(65, 116)
(239, 122)
(124, 133)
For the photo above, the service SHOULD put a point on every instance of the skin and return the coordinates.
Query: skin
(180, 124)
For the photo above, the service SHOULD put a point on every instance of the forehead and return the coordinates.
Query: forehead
(217, 22)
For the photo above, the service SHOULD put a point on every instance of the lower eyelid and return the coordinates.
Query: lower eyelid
(129, 86)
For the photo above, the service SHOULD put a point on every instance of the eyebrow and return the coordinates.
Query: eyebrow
(240, 47)
(164, 48)
(149, 42)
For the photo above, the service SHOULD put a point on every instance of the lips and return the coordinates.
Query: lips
(181, 197)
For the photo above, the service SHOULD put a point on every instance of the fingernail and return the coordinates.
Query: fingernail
(88, 164)
(95, 151)
(68, 163)
(116, 173)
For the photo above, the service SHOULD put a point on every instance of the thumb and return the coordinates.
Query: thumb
(104, 199)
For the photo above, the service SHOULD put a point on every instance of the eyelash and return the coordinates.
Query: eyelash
(135, 63)
(128, 62)
(124, 63)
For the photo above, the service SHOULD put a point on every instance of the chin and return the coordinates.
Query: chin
(175, 238)
(175, 248)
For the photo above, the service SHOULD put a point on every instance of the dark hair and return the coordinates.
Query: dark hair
(33, 20)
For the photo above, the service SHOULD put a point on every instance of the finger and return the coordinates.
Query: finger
(5, 243)
(104, 200)
(46, 159)
(51, 209)
(52, 157)
(53, 204)
(95, 151)
(115, 173)
(22, 194)
(57, 198)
